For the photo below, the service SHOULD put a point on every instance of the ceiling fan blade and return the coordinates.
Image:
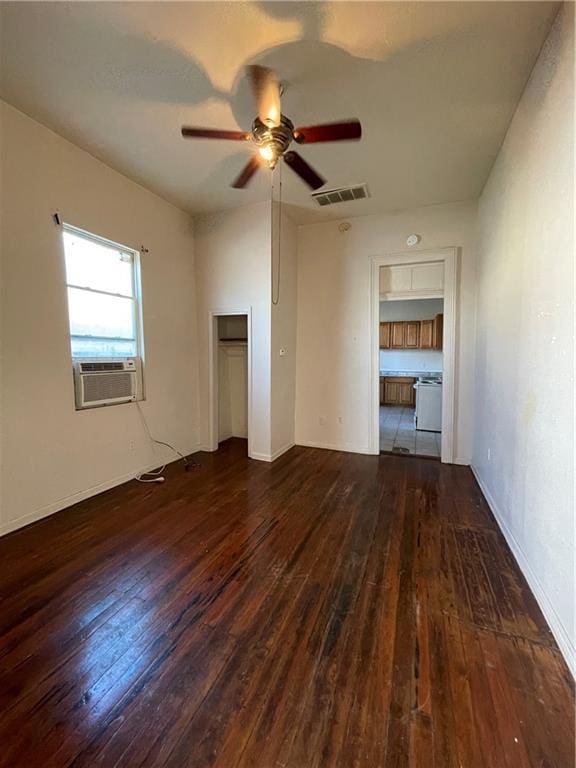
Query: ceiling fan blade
(305, 171)
(213, 133)
(266, 90)
(246, 173)
(344, 131)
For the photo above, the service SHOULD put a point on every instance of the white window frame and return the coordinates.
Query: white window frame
(136, 297)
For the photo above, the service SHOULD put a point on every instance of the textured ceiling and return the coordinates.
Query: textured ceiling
(434, 84)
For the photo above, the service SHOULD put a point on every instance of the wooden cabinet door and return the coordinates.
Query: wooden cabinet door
(397, 341)
(385, 335)
(406, 393)
(382, 390)
(438, 331)
(426, 334)
(391, 392)
(412, 334)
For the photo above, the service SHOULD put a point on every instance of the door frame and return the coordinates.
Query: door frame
(449, 256)
(213, 427)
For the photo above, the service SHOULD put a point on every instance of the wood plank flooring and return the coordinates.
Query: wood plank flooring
(329, 610)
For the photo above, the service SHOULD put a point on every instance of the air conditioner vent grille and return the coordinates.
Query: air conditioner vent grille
(99, 388)
(101, 367)
(341, 195)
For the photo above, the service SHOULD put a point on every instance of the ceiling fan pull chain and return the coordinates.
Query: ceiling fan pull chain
(275, 301)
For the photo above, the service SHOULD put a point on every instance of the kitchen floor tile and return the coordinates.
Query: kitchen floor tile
(398, 435)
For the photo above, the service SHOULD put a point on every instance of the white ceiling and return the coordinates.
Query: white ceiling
(434, 84)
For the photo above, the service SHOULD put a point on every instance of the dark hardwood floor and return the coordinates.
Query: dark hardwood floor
(327, 610)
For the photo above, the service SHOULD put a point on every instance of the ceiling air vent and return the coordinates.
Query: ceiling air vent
(341, 195)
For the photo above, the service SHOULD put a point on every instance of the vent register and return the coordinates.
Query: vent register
(341, 195)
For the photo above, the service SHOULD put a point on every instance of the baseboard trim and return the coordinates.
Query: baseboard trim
(281, 451)
(546, 606)
(272, 456)
(69, 501)
(75, 498)
(342, 447)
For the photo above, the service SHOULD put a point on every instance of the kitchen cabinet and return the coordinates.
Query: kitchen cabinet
(438, 331)
(424, 281)
(390, 392)
(397, 336)
(385, 335)
(407, 393)
(426, 334)
(397, 390)
(412, 334)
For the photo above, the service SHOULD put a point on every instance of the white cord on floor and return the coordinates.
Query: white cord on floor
(155, 476)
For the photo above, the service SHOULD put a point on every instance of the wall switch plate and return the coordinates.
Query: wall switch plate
(282, 353)
(322, 421)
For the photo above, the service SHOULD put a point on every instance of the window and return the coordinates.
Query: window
(102, 281)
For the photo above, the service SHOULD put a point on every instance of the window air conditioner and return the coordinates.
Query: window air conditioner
(104, 381)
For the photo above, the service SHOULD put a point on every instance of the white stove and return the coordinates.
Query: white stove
(428, 414)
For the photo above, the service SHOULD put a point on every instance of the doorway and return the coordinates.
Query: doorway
(408, 276)
(410, 372)
(230, 379)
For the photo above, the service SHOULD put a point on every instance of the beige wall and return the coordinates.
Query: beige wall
(283, 379)
(333, 349)
(53, 455)
(232, 253)
(524, 437)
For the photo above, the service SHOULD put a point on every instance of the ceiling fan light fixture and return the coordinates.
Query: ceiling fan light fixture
(267, 152)
(272, 133)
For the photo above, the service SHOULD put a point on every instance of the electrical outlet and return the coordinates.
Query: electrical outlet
(132, 445)
(489, 454)
(322, 421)
(339, 419)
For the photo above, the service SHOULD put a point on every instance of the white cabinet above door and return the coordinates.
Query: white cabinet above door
(422, 281)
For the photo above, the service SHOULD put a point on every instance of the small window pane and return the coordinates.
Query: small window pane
(83, 346)
(94, 265)
(99, 315)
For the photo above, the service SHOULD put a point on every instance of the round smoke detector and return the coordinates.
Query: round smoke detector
(413, 240)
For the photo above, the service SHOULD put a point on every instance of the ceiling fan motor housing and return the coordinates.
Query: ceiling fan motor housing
(272, 141)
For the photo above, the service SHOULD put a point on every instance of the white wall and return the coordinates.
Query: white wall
(233, 263)
(333, 351)
(411, 359)
(523, 448)
(53, 455)
(283, 334)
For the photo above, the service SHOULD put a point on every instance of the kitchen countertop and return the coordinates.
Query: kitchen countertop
(413, 374)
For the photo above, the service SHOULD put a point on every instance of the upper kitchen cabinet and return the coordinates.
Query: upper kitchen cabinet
(438, 331)
(398, 340)
(412, 334)
(426, 334)
(385, 335)
(424, 281)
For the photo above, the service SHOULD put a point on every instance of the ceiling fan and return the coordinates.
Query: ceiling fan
(272, 132)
